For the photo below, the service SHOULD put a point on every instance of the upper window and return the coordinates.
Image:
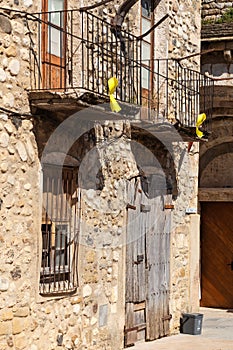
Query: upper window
(146, 8)
(55, 33)
(147, 20)
(53, 44)
(59, 230)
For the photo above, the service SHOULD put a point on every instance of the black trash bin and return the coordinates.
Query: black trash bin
(191, 323)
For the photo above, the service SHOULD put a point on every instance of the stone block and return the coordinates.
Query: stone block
(10, 341)
(2, 75)
(30, 150)
(9, 128)
(4, 284)
(72, 321)
(5, 328)
(21, 341)
(11, 51)
(6, 315)
(9, 100)
(4, 167)
(27, 125)
(87, 291)
(91, 276)
(76, 309)
(22, 312)
(90, 256)
(76, 300)
(5, 24)
(4, 139)
(21, 151)
(18, 325)
(16, 273)
(27, 3)
(103, 315)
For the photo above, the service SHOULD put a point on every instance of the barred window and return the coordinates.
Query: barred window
(60, 227)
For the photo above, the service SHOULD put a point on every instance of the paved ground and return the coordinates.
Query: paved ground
(217, 334)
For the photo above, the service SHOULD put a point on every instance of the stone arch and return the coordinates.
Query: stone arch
(216, 166)
(216, 156)
(158, 160)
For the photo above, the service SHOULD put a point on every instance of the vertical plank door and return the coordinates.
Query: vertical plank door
(135, 323)
(217, 254)
(147, 264)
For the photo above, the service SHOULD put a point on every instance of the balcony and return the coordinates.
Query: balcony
(75, 53)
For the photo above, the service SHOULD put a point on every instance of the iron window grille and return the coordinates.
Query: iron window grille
(59, 229)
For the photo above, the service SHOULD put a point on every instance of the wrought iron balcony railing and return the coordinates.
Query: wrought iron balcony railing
(78, 51)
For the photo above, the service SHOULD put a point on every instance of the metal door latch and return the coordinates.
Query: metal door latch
(140, 258)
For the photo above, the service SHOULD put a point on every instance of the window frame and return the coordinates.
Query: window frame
(59, 230)
(148, 40)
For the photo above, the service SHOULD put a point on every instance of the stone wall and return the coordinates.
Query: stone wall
(14, 71)
(218, 64)
(19, 182)
(185, 236)
(92, 318)
(216, 156)
(213, 10)
(184, 31)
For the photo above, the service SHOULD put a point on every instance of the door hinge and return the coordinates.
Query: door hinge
(130, 206)
(167, 318)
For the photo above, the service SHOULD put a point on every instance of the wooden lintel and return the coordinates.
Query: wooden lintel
(215, 194)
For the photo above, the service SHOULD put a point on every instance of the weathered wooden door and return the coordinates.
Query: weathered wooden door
(53, 44)
(147, 263)
(217, 254)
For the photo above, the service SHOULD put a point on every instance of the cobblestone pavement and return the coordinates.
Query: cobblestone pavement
(217, 334)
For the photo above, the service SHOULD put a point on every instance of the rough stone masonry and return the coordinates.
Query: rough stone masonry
(92, 318)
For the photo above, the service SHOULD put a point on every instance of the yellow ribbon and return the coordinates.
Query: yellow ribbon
(112, 85)
(200, 119)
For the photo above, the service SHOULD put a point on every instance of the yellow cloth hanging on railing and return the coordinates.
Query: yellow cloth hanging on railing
(112, 85)
(200, 119)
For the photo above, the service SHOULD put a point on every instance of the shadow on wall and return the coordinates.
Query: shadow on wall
(155, 162)
(216, 166)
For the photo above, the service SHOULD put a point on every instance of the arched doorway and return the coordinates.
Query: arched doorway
(148, 240)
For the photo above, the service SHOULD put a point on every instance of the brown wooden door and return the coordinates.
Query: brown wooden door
(53, 44)
(147, 265)
(217, 254)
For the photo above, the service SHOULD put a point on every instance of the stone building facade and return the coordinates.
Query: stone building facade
(108, 156)
(215, 173)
